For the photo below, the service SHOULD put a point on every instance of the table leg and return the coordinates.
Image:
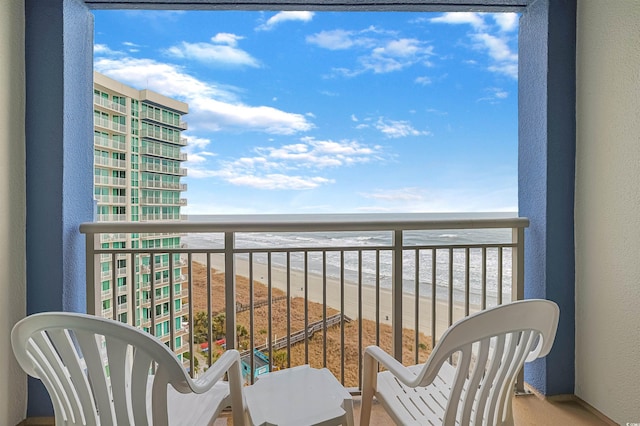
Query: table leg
(347, 406)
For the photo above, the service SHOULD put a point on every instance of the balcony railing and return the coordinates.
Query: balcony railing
(111, 125)
(156, 116)
(161, 217)
(106, 103)
(110, 181)
(112, 217)
(163, 185)
(159, 168)
(163, 201)
(338, 281)
(158, 135)
(109, 162)
(106, 142)
(111, 199)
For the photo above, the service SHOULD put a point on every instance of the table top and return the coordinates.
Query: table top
(296, 396)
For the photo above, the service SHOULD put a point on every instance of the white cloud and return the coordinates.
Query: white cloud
(211, 107)
(398, 129)
(337, 39)
(104, 50)
(396, 55)
(506, 21)
(196, 142)
(226, 38)
(279, 181)
(312, 153)
(497, 47)
(294, 166)
(382, 51)
(195, 159)
(281, 17)
(221, 51)
(424, 80)
(214, 115)
(494, 95)
(476, 20)
(502, 59)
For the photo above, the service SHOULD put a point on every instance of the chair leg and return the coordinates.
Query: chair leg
(369, 382)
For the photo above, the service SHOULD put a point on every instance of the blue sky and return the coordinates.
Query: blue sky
(327, 112)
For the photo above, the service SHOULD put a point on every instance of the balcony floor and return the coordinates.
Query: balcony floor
(529, 410)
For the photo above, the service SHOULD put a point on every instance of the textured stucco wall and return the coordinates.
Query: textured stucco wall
(12, 206)
(59, 149)
(608, 207)
(546, 148)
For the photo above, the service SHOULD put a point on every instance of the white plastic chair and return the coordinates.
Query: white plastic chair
(490, 348)
(97, 372)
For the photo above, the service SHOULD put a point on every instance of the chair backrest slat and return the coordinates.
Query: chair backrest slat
(462, 372)
(484, 395)
(118, 372)
(91, 346)
(159, 394)
(501, 359)
(55, 365)
(479, 370)
(80, 387)
(139, 377)
(40, 354)
(524, 341)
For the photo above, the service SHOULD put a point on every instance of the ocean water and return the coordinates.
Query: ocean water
(450, 264)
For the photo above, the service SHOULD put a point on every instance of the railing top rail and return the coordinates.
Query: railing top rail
(314, 223)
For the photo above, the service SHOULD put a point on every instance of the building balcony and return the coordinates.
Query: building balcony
(159, 168)
(154, 184)
(109, 125)
(105, 142)
(158, 135)
(109, 162)
(109, 181)
(159, 201)
(163, 152)
(110, 105)
(157, 117)
(111, 199)
(156, 217)
(112, 217)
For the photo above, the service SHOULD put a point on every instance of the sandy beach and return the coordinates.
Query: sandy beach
(319, 288)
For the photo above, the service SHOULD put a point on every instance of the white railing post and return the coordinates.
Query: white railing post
(230, 289)
(517, 288)
(517, 265)
(396, 295)
(94, 299)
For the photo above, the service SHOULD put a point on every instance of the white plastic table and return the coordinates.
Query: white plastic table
(299, 396)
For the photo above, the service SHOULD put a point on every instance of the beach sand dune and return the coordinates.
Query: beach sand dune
(345, 342)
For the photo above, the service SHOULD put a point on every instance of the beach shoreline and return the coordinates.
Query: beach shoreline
(345, 298)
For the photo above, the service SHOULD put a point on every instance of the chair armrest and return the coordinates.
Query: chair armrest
(402, 373)
(216, 371)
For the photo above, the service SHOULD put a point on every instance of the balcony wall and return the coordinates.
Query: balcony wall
(12, 205)
(607, 208)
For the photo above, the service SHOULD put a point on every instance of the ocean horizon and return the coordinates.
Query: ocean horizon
(316, 243)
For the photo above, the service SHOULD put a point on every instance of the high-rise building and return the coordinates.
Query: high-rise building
(137, 178)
